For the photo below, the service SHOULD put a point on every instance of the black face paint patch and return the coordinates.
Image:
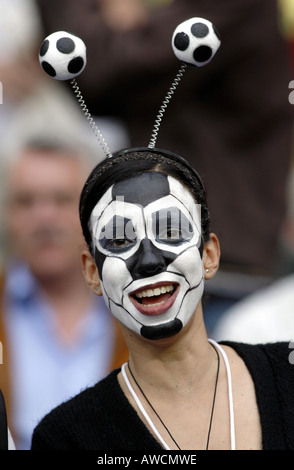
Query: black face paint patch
(99, 260)
(165, 330)
(142, 189)
(149, 260)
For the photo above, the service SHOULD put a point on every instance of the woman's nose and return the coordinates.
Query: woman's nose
(148, 260)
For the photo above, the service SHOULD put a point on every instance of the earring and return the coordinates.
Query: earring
(207, 270)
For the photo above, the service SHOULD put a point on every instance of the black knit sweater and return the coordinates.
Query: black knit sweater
(101, 418)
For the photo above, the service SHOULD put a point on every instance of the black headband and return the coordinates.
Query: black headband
(107, 173)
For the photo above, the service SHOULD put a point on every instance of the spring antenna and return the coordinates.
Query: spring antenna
(164, 105)
(89, 118)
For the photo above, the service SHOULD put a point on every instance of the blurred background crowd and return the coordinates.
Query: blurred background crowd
(231, 119)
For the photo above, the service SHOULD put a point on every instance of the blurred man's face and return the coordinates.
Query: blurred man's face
(42, 213)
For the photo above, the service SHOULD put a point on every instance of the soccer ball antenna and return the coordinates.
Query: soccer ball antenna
(63, 57)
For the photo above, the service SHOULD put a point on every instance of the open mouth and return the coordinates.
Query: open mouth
(155, 299)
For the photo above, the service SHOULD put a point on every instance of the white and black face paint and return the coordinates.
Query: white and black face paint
(148, 248)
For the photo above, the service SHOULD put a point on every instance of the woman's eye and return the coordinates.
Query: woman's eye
(118, 234)
(174, 234)
(118, 243)
(171, 226)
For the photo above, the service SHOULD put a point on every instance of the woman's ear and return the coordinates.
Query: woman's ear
(211, 256)
(90, 271)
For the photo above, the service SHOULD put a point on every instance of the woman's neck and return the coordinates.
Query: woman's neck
(183, 361)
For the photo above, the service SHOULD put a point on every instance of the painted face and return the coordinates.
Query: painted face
(147, 245)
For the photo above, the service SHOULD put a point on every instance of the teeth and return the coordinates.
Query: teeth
(157, 303)
(156, 291)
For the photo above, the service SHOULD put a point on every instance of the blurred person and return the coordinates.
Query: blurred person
(263, 317)
(57, 336)
(236, 121)
(20, 30)
(267, 315)
(32, 104)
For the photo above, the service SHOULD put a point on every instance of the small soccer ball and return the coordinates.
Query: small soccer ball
(63, 55)
(195, 41)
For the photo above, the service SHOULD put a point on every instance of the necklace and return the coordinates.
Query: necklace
(153, 409)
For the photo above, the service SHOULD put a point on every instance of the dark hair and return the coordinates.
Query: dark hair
(130, 162)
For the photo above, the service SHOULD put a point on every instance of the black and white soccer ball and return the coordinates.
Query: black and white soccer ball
(195, 41)
(63, 55)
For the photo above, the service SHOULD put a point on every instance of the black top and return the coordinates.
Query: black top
(101, 418)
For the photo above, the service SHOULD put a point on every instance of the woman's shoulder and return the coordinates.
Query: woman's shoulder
(81, 412)
(95, 395)
(273, 352)
(268, 363)
(271, 367)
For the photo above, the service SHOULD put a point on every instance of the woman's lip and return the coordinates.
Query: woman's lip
(153, 286)
(158, 308)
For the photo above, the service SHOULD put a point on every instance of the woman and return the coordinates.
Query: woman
(149, 252)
